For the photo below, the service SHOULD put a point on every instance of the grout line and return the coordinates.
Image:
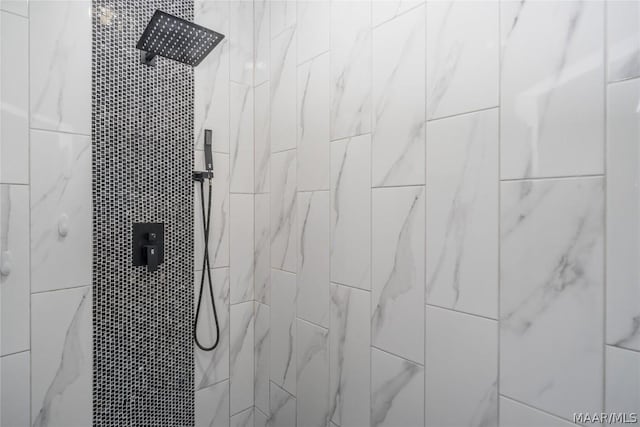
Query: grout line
(60, 289)
(466, 313)
(27, 350)
(544, 178)
(536, 408)
(88, 135)
(326, 328)
(626, 79)
(346, 138)
(314, 57)
(621, 348)
(379, 24)
(465, 113)
(333, 282)
(413, 362)
(284, 151)
(241, 411)
(375, 187)
(605, 138)
(10, 12)
(499, 214)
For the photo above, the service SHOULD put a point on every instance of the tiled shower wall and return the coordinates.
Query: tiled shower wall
(446, 212)
(224, 103)
(45, 212)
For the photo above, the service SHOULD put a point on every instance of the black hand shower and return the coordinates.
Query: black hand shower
(201, 176)
(175, 38)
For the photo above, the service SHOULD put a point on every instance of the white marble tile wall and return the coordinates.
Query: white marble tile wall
(461, 369)
(466, 188)
(61, 358)
(463, 57)
(552, 95)
(60, 65)
(312, 388)
(397, 300)
(241, 147)
(623, 211)
(212, 367)
(211, 78)
(313, 257)
(226, 103)
(212, 405)
(623, 43)
(14, 98)
(551, 278)
(241, 356)
(45, 213)
(398, 134)
(242, 248)
(462, 212)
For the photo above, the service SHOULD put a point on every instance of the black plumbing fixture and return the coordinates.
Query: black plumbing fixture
(201, 177)
(176, 38)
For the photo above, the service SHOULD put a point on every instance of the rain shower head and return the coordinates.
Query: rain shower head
(175, 38)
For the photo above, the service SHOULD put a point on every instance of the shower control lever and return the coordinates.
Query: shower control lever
(148, 244)
(151, 252)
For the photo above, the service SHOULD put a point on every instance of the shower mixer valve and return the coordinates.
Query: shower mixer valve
(148, 244)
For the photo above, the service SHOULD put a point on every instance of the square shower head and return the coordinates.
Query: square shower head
(175, 38)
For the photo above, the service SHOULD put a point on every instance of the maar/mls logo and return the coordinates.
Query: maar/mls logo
(605, 417)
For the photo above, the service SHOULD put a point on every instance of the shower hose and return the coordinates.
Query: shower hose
(206, 272)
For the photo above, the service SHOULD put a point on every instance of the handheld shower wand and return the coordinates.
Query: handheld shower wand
(201, 176)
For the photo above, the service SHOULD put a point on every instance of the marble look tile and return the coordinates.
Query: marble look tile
(262, 140)
(262, 250)
(622, 390)
(398, 141)
(283, 408)
(14, 268)
(514, 414)
(313, 28)
(397, 391)
(623, 42)
(61, 358)
(60, 65)
(551, 275)
(283, 16)
(261, 40)
(242, 251)
(219, 234)
(14, 98)
(14, 389)
(19, 7)
(313, 375)
(211, 367)
(211, 79)
(386, 10)
(260, 420)
(60, 210)
(551, 89)
(397, 301)
(243, 419)
(283, 330)
(241, 41)
(623, 213)
(351, 212)
(262, 348)
(462, 213)
(462, 56)
(283, 210)
(349, 357)
(313, 257)
(212, 406)
(350, 68)
(241, 356)
(241, 157)
(313, 124)
(461, 375)
(283, 90)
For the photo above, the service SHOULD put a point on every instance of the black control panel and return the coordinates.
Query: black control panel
(148, 244)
